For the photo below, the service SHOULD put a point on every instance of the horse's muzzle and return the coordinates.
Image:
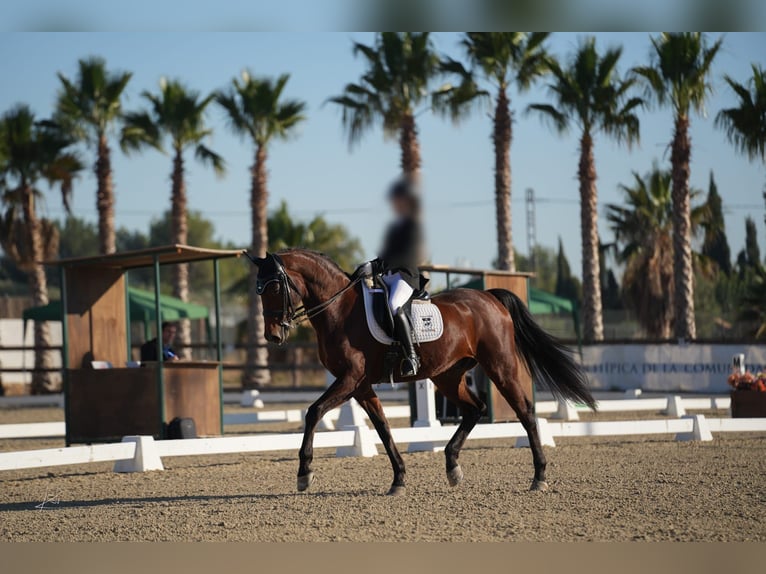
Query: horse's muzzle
(275, 338)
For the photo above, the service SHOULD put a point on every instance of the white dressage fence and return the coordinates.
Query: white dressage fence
(143, 453)
(674, 406)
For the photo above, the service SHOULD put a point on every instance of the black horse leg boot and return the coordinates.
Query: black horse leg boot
(410, 363)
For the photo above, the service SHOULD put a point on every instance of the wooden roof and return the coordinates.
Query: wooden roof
(466, 271)
(166, 254)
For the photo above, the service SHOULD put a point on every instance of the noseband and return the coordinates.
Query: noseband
(290, 315)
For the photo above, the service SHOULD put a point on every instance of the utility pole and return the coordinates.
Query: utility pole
(531, 228)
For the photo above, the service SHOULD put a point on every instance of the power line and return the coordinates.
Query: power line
(357, 210)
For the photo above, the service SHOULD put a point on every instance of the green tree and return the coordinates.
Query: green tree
(749, 258)
(502, 59)
(643, 231)
(176, 114)
(545, 267)
(318, 234)
(745, 125)
(77, 237)
(257, 110)
(679, 76)
(567, 285)
(397, 83)
(752, 302)
(32, 152)
(715, 245)
(89, 107)
(589, 92)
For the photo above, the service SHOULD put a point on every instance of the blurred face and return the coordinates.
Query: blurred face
(168, 334)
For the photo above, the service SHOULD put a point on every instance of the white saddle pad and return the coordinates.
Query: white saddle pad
(426, 318)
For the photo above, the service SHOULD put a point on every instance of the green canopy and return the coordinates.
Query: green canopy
(142, 309)
(542, 303)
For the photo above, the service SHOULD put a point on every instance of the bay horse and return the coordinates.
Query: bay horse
(491, 328)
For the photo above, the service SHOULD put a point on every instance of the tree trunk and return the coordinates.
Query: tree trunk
(105, 198)
(179, 234)
(42, 382)
(257, 364)
(408, 141)
(591, 272)
(682, 246)
(502, 139)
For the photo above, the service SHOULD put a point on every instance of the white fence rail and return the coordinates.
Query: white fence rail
(143, 453)
(671, 405)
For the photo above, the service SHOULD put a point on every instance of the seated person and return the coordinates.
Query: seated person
(149, 349)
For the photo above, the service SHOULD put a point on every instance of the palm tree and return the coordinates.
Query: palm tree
(589, 92)
(89, 107)
(745, 125)
(503, 59)
(643, 231)
(178, 114)
(679, 76)
(401, 67)
(257, 110)
(32, 151)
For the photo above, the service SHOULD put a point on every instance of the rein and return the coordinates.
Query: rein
(290, 315)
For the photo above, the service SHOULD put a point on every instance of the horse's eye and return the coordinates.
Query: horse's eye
(276, 287)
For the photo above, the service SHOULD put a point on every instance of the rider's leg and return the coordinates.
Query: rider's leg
(399, 293)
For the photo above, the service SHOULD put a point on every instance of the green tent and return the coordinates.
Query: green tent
(142, 310)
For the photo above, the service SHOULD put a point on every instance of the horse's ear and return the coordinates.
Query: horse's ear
(257, 261)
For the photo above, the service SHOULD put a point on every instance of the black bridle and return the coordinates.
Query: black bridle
(289, 315)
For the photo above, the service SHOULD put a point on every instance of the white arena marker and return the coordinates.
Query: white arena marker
(251, 398)
(675, 407)
(425, 399)
(146, 457)
(700, 430)
(353, 418)
(546, 435)
(566, 411)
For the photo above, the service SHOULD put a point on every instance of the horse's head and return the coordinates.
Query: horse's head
(279, 295)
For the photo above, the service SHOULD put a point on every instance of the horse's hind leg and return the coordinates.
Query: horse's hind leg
(371, 404)
(505, 378)
(452, 385)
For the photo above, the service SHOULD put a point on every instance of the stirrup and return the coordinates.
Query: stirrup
(409, 367)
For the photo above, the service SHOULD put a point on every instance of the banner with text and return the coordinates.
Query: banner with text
(692, 367)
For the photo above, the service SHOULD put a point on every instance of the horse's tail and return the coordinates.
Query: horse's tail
(548, 360)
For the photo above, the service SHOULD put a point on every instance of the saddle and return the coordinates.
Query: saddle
(425, 320)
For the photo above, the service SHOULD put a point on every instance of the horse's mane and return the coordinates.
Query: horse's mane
(323, 257)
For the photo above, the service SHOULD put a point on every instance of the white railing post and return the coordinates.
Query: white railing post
(352, 417)
(566, 411)
(146, 456)
(425, 415)
(700, 430)
(543, 430)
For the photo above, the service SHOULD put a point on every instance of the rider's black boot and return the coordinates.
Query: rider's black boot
(410, 363)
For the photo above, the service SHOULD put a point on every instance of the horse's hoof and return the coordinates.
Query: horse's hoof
(455, 476)
(397, 490)
(539, 486)
(305, 481)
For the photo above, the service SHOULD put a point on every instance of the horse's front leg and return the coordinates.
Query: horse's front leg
(335, 395)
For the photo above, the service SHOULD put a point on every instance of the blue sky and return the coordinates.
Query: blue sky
(317, 173)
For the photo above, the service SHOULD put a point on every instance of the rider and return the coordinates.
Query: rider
(398, 263)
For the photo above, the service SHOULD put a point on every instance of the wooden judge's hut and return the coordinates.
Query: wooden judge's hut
(498, 409)
(105, 404)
